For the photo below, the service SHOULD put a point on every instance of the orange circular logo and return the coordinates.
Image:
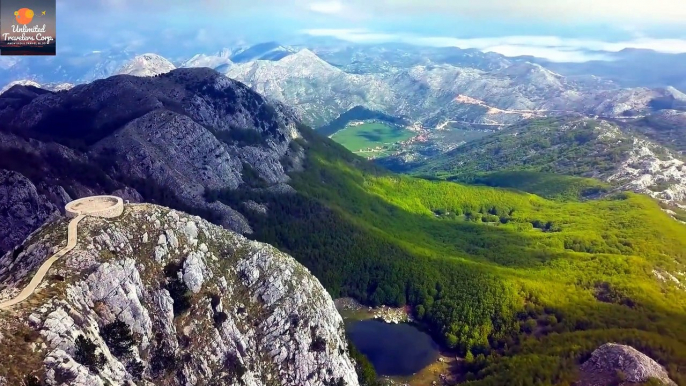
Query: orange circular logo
(24, 16)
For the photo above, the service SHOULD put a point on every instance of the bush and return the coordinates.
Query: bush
(85, 354)
(32, 380)
(178, 290)
(119, 338)
(318, 344)
(234, 367)
(219, 318)
(180, 293)
(136, 369)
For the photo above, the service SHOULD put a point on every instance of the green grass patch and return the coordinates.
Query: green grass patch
(369, 136)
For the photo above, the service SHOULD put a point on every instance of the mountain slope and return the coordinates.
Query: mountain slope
(262, 51)
(221, 58)
(472, 256)
(319, 91)
(435, 93)
(169, 137)
(667, 127)
(528, 286)
(166, 298)
(48, 86)
(570, 146)
(146, 65)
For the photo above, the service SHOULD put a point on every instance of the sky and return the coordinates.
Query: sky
(559, 30)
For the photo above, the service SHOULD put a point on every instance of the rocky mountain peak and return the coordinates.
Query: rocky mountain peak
(46, 86)
(612, 363)
(219, 59)
(146, 65)
(161, 297)
(170, 137)
(306, 61)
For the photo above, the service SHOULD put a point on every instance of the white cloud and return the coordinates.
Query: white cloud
(553, 48)
(354, 35)
(632, 11)
(638, 12)
(328, 7)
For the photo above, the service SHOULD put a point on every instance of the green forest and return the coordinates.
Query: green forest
(528, 286)
(566, 145)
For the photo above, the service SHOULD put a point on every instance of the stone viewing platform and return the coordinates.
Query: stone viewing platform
(97, 206)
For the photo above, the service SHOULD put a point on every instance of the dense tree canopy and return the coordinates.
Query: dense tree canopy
(528, 286)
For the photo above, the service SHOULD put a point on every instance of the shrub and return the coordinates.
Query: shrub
(219, 318)
(180, 293)
(178, 290)
(233, 366)
(119, 338)
(318, 344)
(136, 369)
(85, 354)
(32, 380)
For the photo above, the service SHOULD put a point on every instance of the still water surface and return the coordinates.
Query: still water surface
(393, 349)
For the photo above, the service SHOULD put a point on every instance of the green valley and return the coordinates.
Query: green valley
(371, 139)
(527, 286)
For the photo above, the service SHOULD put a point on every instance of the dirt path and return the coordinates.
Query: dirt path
(43, 270)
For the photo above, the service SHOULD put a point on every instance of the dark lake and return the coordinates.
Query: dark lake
(393, 349)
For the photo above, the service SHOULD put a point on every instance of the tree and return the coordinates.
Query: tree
(419, 311)
(118, 337)
(86, 355)
(469, 358)
(451, 340)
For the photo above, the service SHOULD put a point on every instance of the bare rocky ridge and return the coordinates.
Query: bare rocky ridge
(427, 93)
(221, 58)
(146, 65)
(255, 316)
(168, 137)
(23, 209)
(613, 364)
(46, 86)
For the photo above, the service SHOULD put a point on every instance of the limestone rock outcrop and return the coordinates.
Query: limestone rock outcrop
(204, 306)
(613, 363)
(23, 209)
(166, 139)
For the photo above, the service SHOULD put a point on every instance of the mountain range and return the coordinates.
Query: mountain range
(518, 244)
(429, 85)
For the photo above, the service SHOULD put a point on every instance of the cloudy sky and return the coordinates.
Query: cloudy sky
(560, 30)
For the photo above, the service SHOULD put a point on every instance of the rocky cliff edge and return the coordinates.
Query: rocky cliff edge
(159, 297)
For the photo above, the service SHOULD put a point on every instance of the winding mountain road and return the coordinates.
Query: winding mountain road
(43, 270)
(96, 206)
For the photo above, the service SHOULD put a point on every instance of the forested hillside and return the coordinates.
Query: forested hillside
(542, 155)
(526, 285)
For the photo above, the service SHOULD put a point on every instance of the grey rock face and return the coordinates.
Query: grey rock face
(129, 194)
(146, 65)
(611, 358)
(167, 139)
(430, 93)
(23, 209)
(255, 316)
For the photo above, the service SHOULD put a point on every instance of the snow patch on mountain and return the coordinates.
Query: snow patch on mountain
(28, 82)
(221, 58)
(146, 65)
